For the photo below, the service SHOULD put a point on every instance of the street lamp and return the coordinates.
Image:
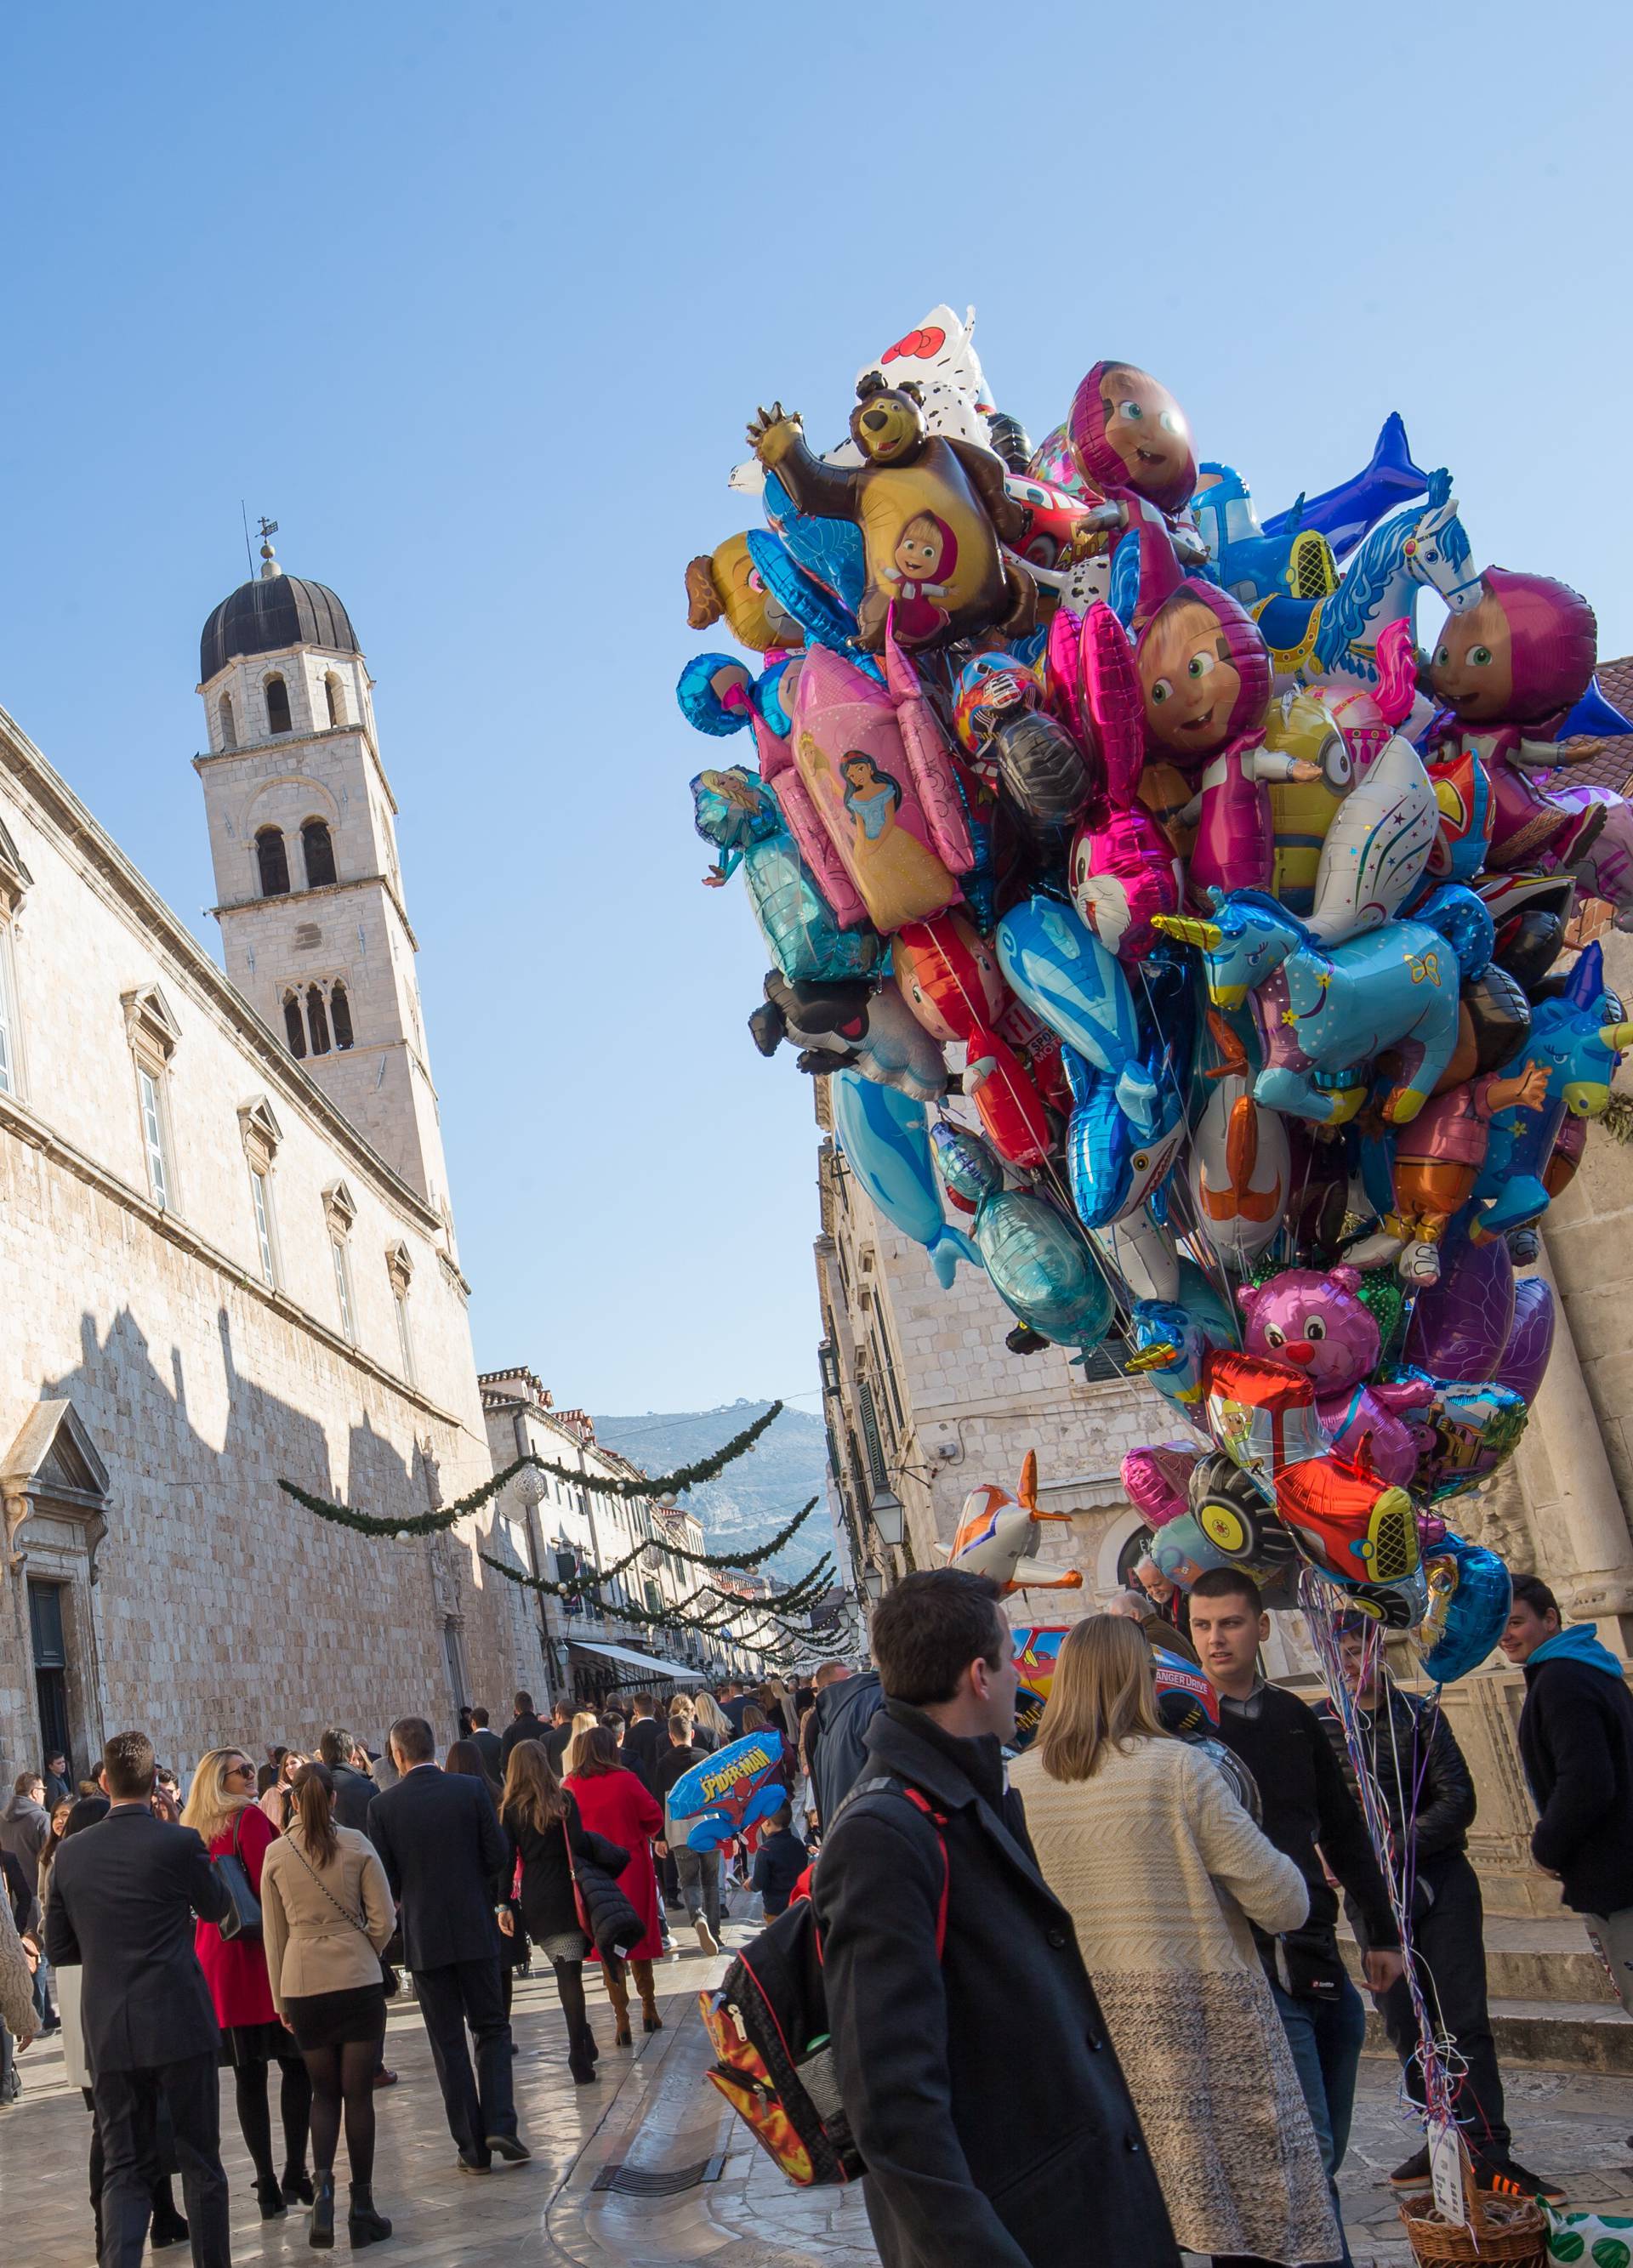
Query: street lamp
(872, 1583)
(889, 1515)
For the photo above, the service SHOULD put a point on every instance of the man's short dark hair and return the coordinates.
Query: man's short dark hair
(563, 1712)
(643, 1704)
(1229, 1583)
(781, 1821)
(479, 1716)
(522, 1704)
(413, 1740)
(128, 1761)
(1531, 1591)
(57, 1757)
(929, 1629)
(335, 1746)
(680, 1732)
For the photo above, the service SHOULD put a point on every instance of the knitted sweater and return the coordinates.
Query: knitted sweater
(1164, 1872)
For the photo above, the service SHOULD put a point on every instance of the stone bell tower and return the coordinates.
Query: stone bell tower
(302, 834)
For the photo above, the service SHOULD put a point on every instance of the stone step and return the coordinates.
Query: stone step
(1542, 1958)
(1585, 2035)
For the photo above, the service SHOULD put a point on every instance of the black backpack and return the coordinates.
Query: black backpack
(768, 2025)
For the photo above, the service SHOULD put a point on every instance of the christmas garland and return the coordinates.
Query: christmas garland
(742, 1560)
(674, 1484)
(585, 1589)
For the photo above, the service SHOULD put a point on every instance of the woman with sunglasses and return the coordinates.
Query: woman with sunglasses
(221, 1808)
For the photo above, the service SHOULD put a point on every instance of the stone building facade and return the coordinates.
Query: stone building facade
(229, 1262)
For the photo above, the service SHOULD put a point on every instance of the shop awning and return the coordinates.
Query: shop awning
(652, 1664)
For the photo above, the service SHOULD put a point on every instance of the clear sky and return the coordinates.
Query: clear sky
(476, 299)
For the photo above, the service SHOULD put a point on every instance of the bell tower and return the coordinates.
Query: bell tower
(303, 837)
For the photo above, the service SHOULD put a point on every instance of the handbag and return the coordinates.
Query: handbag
(243, 1916)
(1308, 1963)
(390, 1981)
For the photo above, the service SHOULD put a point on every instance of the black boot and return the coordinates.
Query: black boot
(582, 2064)
(322, 2232)
(587, 2040)
(296, 2185)
(272, 2205)
(364, 2225)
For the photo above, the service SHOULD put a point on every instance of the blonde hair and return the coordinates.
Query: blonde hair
(585, 1721)
(211, 1805)
(1102, 1697)
(709, 1714)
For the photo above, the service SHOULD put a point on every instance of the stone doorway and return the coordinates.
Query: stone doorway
(54, 1486)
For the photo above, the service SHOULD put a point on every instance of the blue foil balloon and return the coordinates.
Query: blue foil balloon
(1470, 1598)
(886, 1143)
(736, 811)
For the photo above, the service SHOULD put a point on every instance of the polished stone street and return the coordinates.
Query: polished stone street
(652, 2115)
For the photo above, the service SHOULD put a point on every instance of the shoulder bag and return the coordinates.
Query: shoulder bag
(605, 1914)
(390, 1981)
(243, 1918)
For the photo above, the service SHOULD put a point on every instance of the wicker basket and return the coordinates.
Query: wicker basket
(1509, 2230)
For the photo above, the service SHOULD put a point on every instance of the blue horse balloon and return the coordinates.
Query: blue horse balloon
(886, 1143)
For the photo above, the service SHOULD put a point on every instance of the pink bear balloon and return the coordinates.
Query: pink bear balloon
(1315, 1322)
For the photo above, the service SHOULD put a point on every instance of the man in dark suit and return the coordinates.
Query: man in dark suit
(644, 1742)
(523, 1725)
(123, 1896)
(490, 1743)
(354, 1790)
(559, 1734)
(446, 1857)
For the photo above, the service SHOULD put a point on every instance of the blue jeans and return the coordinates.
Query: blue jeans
(1326, 2038)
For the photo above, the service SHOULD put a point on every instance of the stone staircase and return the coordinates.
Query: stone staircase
(1551, 2001)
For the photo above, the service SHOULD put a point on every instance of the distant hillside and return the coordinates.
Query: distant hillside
(753, 1497)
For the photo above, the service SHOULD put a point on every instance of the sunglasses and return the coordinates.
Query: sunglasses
(241, 1772)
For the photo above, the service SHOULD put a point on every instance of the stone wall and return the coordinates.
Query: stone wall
(200, 1601)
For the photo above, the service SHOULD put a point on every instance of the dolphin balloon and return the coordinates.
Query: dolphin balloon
(882, 1134)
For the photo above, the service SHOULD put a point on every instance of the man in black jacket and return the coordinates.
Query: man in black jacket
(354, 1790)
(445, 1858)
(123, 1896)
(977, 2077)
(487, 1740)
(836, 1749)
(1413, 1760)
(523, 1725)
(644, 1742)
(1575, 1741)
(1305, 1803)
(556, 1738)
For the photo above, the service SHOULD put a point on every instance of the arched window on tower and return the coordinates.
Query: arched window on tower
(317, 1021)
(294, 1030)
(340, 1014)
(334, 693)
(273, 857)
(277, 706)
(229, 731)
(317, 845)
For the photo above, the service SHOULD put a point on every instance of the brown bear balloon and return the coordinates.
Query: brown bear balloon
(932, 513)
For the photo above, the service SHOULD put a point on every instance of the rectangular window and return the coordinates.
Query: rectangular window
(342, 1288)
(10, 1081)
(260, 1197)
(405, 1343)
(153, 1136)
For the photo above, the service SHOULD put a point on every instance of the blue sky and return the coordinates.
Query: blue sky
(475, 300)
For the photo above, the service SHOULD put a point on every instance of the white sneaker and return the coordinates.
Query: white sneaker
(706, 1938)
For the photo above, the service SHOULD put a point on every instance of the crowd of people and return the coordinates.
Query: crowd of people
(260, 1920)
(1161, 1933)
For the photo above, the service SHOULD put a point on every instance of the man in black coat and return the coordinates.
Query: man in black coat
(835, 1750)
(354, 1790)
(123, 1897)
(556, 1740)
(1575, 1741)
(492, 1748)
(445, 1858)
(644, 1742)
(977, 2079)
(523, 1725)
(1413, 1759)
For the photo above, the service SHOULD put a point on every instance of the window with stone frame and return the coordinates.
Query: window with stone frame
(15, 880)
(317, 846)
(261, 1135)
(272, 862)
(154, 1033)
(223, 716)
(317, 1021)
(340, 1212)
(335, 699)
(294, 1023)
(340, 1015)
(400, 1271)
(278, 718)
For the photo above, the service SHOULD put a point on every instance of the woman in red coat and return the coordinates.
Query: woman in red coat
(221, 1806)
(613, 1802)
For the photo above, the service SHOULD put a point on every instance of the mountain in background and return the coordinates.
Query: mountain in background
(753, 1497)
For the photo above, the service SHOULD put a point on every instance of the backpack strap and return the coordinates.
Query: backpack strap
(888, 1784)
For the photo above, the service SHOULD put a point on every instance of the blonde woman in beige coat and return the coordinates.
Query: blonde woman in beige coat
(326, 1913)
(1138, 1836)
